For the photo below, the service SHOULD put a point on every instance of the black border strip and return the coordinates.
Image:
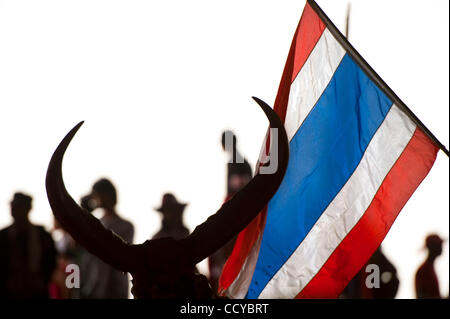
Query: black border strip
(372, 74)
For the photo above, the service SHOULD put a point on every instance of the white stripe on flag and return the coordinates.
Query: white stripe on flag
(312, 80)
(345, 210)
(238, 289)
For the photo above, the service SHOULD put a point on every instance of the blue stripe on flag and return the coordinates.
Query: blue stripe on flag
(323, 154)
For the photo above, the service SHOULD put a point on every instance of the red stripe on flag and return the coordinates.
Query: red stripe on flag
(308, 32)
(361, 242)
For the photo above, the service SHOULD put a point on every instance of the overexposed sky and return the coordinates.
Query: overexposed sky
(157, 82)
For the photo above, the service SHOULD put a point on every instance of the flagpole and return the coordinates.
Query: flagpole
(372, 74)
(347, 21)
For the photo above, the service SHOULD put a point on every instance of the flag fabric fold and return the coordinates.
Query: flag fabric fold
(356, 157)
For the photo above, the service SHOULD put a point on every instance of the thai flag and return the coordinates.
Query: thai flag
(357, 154)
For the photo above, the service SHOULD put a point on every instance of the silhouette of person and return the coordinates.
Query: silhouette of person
(388, 281)
(99, 280)
(172, 222)
(69, 252)
(27, 254)
(239, 173)
(426, 281)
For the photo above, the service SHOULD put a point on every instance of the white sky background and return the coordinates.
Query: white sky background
(157, 82)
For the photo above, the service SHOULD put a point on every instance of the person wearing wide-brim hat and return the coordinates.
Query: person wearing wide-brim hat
(172, 218)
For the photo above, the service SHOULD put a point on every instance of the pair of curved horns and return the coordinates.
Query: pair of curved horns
(208, 237)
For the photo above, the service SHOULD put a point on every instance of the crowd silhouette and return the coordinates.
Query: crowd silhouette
(33, 263)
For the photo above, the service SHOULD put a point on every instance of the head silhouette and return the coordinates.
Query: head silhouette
(434, 245)
(171, 209)
(104, 193)
(20, 207)
(229, 141)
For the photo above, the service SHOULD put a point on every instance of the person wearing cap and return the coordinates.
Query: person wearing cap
(426, 281)
(27, 254)
(172, 218)
(98, 279)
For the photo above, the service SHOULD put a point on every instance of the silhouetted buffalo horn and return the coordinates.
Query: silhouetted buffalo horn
(81, 225)
(245, 205)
